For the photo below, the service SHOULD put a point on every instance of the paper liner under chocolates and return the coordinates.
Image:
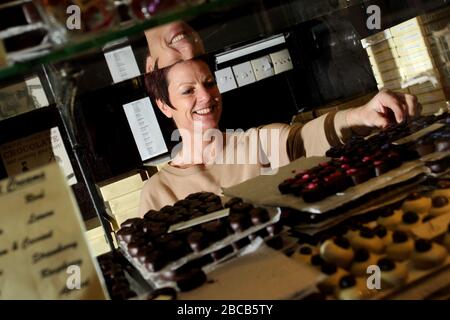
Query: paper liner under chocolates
(155, 278)
(263, 190)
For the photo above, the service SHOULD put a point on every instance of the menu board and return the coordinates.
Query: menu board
(43, 251)
(37, 150)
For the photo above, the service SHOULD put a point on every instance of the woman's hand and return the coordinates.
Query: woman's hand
(385, 108)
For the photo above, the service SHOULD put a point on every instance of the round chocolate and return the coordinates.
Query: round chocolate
(197, 240)
(317, 260)
(380, 231)
(232, 202)
(399, 237)
(167, 209)
(135, 223)
(125, 234)
(328, 269)
(386, 264)
(274, 229)
(439, 202)
(361, 255)
(342, 242)
(155, 261)
(422, 245)
(149, 214)
(134, 246)
(239, 222)
(185, 203)
(241, 207)
(347, 281)
(367, 233)
(213, 207)
(215, 229)
(410, 217)
(259, 215)
(305, 251)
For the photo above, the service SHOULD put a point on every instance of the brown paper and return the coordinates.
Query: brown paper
(42, 239)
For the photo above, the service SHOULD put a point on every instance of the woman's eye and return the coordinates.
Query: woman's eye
(187, 91)
(210, 84)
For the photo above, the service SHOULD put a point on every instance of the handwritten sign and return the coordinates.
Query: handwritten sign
(43, 252)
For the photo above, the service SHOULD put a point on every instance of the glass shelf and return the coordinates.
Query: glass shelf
(94, 41)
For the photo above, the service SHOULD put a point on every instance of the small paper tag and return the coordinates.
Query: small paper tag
(206, 218)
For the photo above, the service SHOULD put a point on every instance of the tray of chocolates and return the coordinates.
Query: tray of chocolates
(357, 168)
(219, 232)
(408, 243)
(121, 278)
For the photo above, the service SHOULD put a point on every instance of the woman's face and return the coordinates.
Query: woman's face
(194, 95)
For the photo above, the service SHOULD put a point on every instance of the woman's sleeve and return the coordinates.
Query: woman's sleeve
(318, 135)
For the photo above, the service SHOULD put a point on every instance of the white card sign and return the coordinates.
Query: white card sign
(122, 64)
(145, 128)
(43, 251)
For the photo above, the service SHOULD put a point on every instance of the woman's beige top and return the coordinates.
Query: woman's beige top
(286, 143)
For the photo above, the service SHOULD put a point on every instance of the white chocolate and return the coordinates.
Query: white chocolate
(359, 269)
(331, 283)
(400, 251)
(374, 244)
(407, 227)
(440, 211)
(396, 277)
(419, 206)
(392, 221)
(430, 259)
(358, 292)
(304, 258)
(332, 253)
(441, 192)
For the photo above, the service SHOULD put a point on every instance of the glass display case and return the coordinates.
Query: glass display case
(85, 63)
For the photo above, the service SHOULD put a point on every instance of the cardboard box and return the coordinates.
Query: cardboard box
(376, 38)
(378, 48)
(431, 97)
(382, 77)
(424, 87)
(433, 108)
(410, 26)
(96, 237)
(384, 66)
(125, 202)
(123, 184)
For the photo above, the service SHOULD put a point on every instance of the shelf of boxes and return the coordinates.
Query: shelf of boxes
(407, 58)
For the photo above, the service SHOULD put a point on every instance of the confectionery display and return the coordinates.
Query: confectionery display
(149, 245)
(427, 254)
(113, 266)
(363, 159)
